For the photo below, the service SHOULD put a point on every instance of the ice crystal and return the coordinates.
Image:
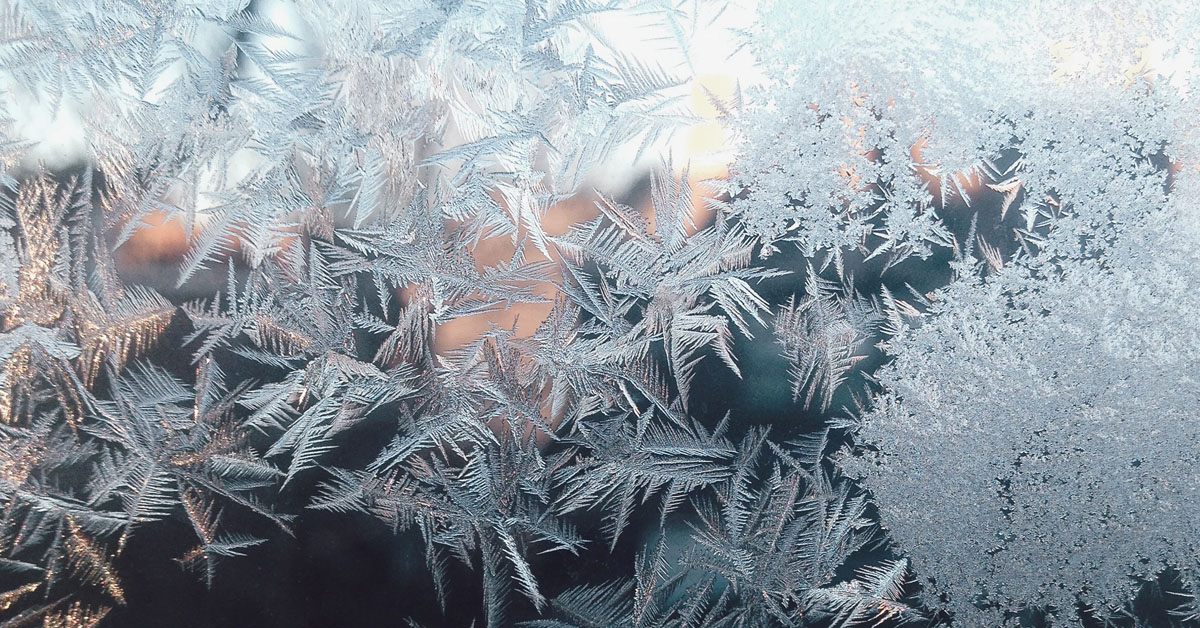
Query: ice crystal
(1030, 446)
(394, 290)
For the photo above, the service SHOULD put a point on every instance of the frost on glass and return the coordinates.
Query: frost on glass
(1032, 442)
(330, 182)
(962, 237)
(1036, 441)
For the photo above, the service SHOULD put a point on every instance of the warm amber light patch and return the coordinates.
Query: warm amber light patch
(708, 143)
(969, 182)
(522, 319)
(157, 243)
(705, 88)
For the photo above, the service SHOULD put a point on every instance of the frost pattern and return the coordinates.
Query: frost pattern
(341, 181)
(1038, 434)
(1032, 443)
(996, 203)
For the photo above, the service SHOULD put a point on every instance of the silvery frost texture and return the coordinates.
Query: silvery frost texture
(1033, 440)
(965, 236)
